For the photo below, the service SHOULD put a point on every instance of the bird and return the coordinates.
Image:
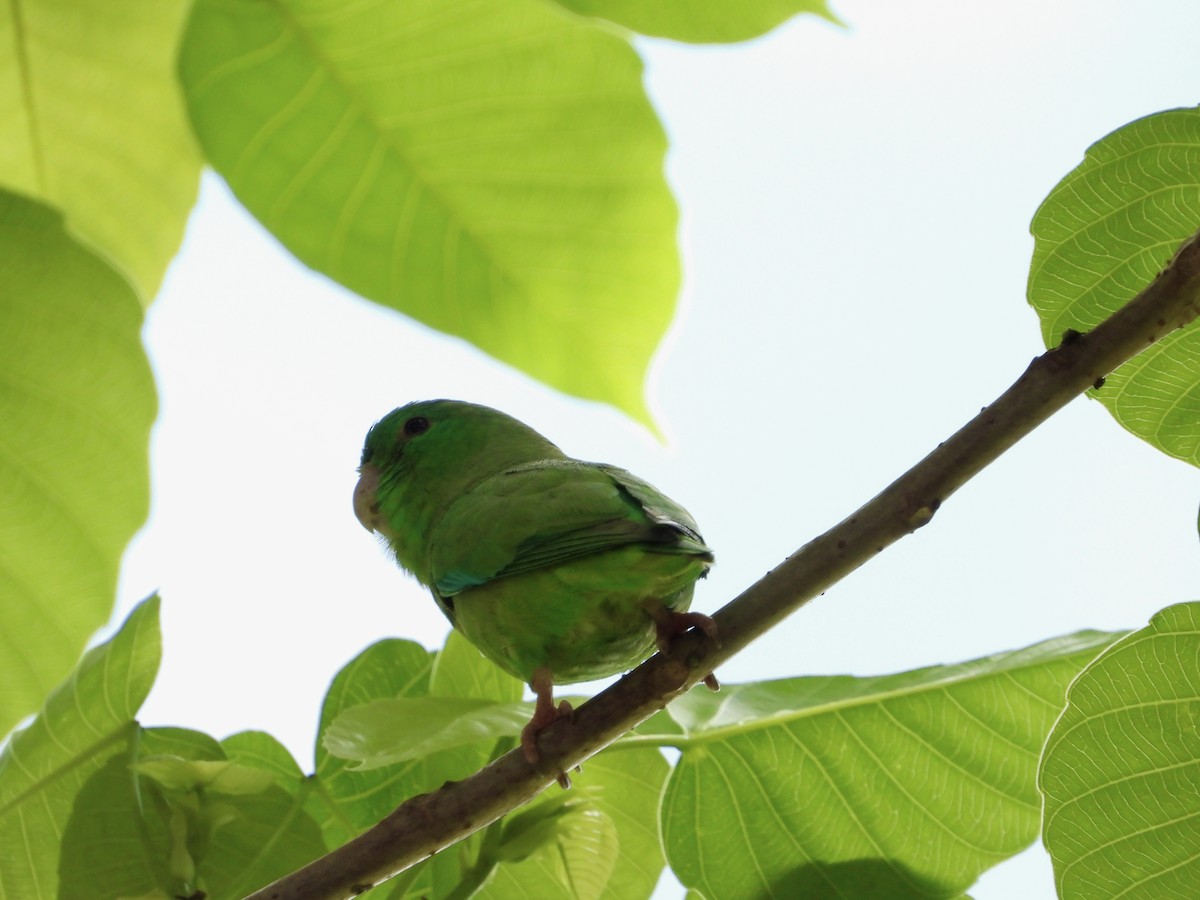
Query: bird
(558, 570)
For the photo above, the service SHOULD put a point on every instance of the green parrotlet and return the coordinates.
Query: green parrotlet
(558, 570)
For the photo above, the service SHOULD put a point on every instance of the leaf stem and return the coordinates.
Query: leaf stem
(425, 824)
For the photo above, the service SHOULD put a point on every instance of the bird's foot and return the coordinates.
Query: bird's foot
(543, 717)
(545, 714)
(668, 624)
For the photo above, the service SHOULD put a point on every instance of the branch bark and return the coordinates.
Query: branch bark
(423, 825)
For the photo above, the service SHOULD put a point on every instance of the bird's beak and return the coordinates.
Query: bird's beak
(366, 507)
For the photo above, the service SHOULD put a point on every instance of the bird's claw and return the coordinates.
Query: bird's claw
(545, 714)
(543, 717)
(669, 623)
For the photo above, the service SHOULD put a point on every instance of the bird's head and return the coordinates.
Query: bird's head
(419, 458)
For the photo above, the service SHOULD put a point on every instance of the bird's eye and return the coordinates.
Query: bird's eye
(366, 456)
(416, 425)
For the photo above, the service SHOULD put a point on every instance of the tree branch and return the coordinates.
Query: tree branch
(426, 824)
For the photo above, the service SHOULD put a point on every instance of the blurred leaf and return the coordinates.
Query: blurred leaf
(77, 402)
(257, 838)
(525, 831)
(906, 785)
(86, 727)
(94, 125)
(660, 726)
(600, 839)
(1121, 770)
(200, 823)
(123, 838)
(262, 751)
(174, 773)
(1102, 235)
(493, 170)
(116, 844)
(394, 730)
(623, 785)
(700, 21)
(627, 786)
(461, 671)
(569, 854)
(356, 800)
(586, 851)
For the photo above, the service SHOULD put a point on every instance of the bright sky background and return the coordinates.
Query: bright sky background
(855, 232)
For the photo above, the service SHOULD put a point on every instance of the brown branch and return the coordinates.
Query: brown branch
(426, 824)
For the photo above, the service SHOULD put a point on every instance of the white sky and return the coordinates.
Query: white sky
(855, 232)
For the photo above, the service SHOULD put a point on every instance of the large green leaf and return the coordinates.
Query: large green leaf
(396, 729)
(598, 840)
(77, 402)
(492, 169)
(118, 841)
(470, 701)
(177, 816)
(256, 837)
(356, 800)
(612, 808)
(899, 786)
(261, 750)
(91, 122)
(86, 727)
(700, 21)
(1102, 234)
(460, 670)
(569, 853)
(628, 787)
(1121, 770)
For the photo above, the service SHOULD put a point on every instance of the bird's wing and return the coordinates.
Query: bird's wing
(542, 514)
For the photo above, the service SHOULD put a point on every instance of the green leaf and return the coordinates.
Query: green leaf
(700, 21)
(92, 124)
(493, 170)
(898, 786)
(460, 670)
(85, 727)
(570, 853)
(118, 844)
(526, 831)
(1121, 770)
(178, 817)
(256, 839)
(358, 799)
(173, 773)
(77, 402)
(627, 786)
(123, 838)
(624, 785)
(398, 729)
(600, 839)
(262, 751)
(1101, 235)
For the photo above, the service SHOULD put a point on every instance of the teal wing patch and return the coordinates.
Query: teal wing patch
(540, 515)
